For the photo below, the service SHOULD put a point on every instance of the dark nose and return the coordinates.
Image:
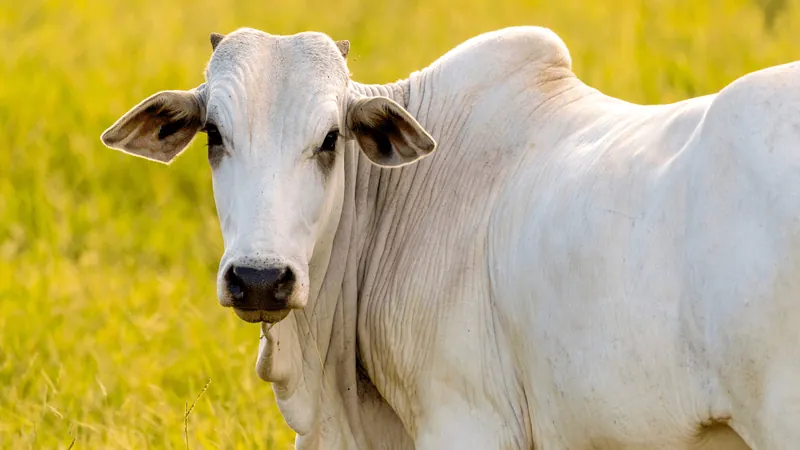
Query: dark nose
(260, 289)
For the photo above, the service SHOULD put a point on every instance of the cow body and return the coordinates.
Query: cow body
(664, 239)
(566, 271)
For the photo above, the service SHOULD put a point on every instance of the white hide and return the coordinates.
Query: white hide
(566, 271)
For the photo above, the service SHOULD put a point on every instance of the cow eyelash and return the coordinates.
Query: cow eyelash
(329, 143)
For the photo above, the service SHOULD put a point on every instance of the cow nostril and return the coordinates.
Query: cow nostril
(287, 277)
(284, 285)
(236, 291)
(234, 283)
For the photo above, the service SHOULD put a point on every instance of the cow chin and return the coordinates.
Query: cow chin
(256, 316)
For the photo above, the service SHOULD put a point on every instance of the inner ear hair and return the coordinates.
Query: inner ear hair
(159, 127)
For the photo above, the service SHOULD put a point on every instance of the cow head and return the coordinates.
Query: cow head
(277, 111)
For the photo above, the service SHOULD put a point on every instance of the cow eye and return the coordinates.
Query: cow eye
(214, 143)
(329, 144)
(214, 138)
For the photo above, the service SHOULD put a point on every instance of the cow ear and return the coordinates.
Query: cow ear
(215, 39)
(387, 133)
(160, 127)
(344, 47)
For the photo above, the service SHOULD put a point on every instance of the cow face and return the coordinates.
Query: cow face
(277, 111)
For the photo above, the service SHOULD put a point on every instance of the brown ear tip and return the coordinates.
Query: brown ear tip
(430, 146)
(344, 47)
(107, 138)
(215, 39)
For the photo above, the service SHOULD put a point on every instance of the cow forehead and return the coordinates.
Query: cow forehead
(300, 62)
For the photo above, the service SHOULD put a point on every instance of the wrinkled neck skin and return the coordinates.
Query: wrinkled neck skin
(312, 356)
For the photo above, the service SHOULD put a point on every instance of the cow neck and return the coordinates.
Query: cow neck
(311, 356)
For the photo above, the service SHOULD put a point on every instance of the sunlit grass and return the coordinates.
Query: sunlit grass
(108, 317)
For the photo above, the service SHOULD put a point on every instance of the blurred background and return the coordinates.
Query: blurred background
(109, 322)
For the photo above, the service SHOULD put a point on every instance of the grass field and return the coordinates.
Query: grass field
(108, 318)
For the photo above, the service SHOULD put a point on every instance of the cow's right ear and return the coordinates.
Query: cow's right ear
(387, 133)
(160, 127)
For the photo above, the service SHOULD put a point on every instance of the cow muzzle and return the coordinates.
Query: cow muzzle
(260, 294)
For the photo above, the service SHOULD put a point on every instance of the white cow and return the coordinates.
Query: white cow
(566, 271)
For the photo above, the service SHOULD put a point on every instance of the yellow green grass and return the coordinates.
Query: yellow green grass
(108, 318)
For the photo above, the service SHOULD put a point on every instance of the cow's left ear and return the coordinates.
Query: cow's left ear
(159, 127)
(387, 133)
